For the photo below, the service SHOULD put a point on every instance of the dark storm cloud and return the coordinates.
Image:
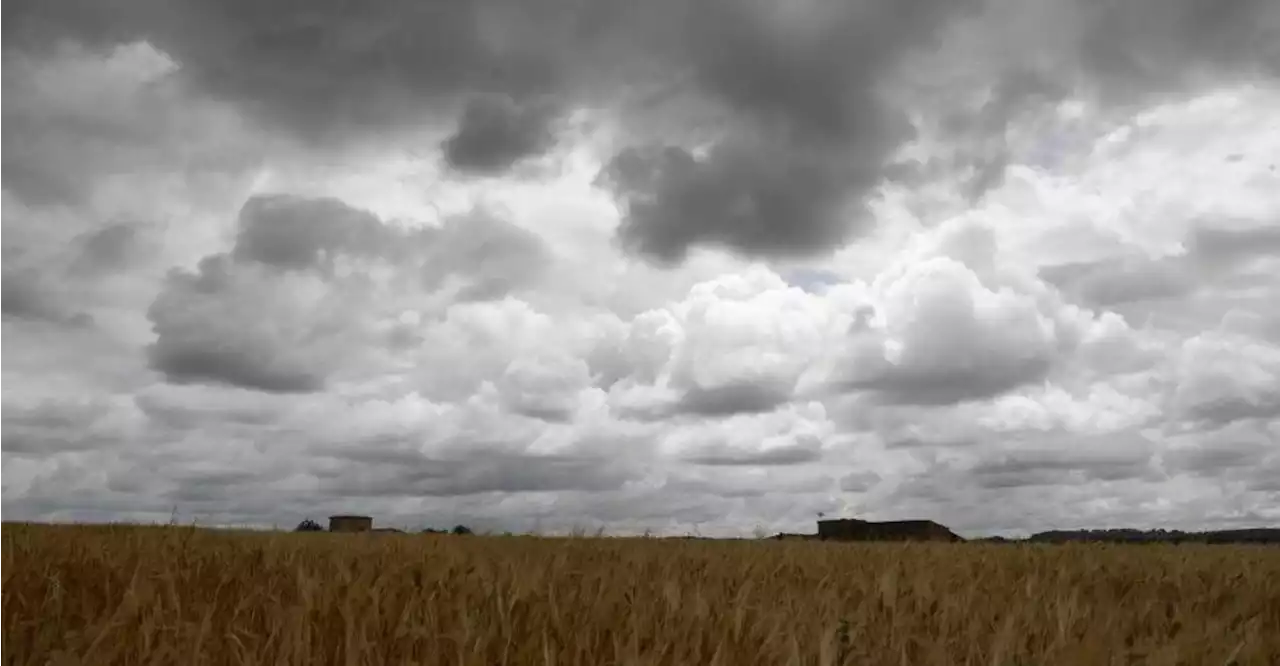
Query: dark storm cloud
(495, 132)
(330, 72)
(752, 198)
(806, 131)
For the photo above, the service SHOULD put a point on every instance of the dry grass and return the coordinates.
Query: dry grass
(122, 595)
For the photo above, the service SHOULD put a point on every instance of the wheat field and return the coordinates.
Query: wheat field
(105, 595)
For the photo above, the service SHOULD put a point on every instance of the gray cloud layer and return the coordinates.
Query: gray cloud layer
(800, 131)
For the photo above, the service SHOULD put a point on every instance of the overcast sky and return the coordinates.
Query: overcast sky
(710, 265)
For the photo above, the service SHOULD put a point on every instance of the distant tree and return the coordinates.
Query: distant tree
(461, 529)
(309, 525)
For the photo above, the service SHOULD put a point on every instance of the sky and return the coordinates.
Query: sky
(708, 266)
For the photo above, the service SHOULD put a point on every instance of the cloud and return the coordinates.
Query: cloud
(951, 322)
(734, 345)
(548, 386)
(1150, 45)
(282, 309)
(804, 133)
(1234, 448)
(1218, 247)
(690, 267)
(328, 72)
(228, 324)
(948, 338)
(787, 436)
(492, 256)
(1222, 377)
(47, 427)
(1122, 280)
(1109, 458)
(1115, 57)
(109, 249)
(494, 133)
(84, 119)
(27, 297)
(293, 232)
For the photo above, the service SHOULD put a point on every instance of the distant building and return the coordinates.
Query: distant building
(852, 529)
(350, 523)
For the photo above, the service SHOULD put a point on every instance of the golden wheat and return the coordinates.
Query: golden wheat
(169, 595)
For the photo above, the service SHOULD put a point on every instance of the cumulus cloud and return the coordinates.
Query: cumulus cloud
(952, 322)
(948, 338)
(228, 324)
(284, 307)
(1224, 377)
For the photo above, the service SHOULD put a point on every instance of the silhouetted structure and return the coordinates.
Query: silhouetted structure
(350, 523)
(1128, 535)
(852, 529)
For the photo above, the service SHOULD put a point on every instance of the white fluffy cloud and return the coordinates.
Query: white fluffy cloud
(1053, 307)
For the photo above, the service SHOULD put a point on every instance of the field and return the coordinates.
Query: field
(173, 595)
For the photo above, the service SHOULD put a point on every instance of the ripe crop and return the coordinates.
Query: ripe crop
(107, 595)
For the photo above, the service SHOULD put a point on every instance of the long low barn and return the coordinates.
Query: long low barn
(852, 529)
